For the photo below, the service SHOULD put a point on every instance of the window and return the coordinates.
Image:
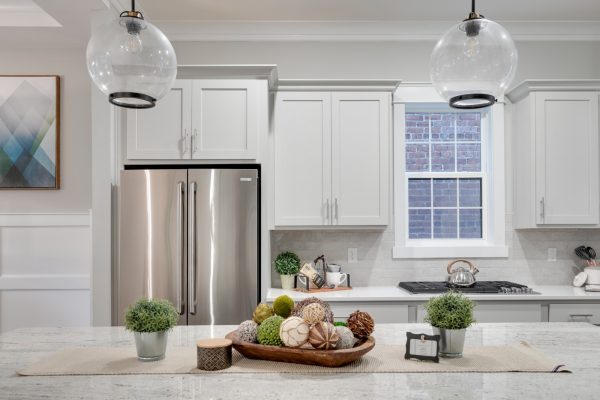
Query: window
(446, 163)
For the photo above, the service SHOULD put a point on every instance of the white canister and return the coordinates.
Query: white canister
(593, 275)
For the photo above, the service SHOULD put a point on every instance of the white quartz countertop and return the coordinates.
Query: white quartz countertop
(393, 293)
(577, 345)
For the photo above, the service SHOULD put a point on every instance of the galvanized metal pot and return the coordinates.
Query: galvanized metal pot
(452, 341)
(151, 346)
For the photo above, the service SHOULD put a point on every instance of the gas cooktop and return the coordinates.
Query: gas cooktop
(491, 287)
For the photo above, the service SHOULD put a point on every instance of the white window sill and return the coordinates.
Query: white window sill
(454, 251)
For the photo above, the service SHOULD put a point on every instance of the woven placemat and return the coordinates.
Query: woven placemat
(518, 357)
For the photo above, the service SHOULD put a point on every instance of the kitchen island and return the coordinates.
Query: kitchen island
(575, 344)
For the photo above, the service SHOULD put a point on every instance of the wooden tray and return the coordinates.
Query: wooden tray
(324, 358)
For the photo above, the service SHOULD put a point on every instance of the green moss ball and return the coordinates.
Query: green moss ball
(283, 306)
(268, 331)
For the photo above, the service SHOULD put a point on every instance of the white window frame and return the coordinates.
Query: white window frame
(493, 243)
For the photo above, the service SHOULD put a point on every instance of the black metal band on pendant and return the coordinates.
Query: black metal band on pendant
(114, 97)
(487, 100)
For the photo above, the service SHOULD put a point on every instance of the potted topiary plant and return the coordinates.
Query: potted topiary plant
(150, 320)
(450, 315)
(287, 265)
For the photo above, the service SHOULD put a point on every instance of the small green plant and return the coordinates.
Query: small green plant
(451, 310)
(287, 263)
(340, 323)
(151, 315)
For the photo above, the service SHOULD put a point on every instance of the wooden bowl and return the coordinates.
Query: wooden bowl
(303, 355)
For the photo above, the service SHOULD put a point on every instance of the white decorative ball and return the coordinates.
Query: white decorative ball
(313, 313)
(347, 339)
(293, 332)
(247, 331)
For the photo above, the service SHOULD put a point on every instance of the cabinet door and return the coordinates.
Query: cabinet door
(302, 136)
(162, 132)
(567, 157)
(575, 313)
(360, 158)
(499, 312)
(225, 119)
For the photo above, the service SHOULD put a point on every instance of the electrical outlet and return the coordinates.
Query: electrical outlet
(551, 253)
(352, 255)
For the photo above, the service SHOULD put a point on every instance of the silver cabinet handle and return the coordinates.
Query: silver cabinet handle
(327, 210)
(337, 220)
(195, 141)
(185, 141)
(586, 317)
(180, 254)
(192, 247)
(542, 208)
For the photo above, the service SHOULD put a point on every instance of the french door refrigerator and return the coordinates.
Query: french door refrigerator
(190, 236)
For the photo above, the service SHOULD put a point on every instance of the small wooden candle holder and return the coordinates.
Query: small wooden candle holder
(214, 354)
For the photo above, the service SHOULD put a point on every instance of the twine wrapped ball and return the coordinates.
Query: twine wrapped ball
(361, 324)
(297, 311)
(247, 331)
(294, 332)
(313, 313)
(323, 336)
(347, 339)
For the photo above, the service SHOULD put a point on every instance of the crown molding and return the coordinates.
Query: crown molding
(371, 85)
(230, 71)
(229, 30)
(552, 85)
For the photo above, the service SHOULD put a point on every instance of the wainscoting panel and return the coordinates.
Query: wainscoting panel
(45, 265)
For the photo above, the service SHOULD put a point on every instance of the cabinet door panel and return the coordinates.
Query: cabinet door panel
(302, 135)
(360, 149)
(567, 158)
(575, 313)
(225, 119)
(499, 313)
(162, 132)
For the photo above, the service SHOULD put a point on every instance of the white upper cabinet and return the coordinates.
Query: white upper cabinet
(360, 143)
(555, 157)
(302, 158)
(224, 119)
(331, 158)
(164, 131)
(199, 119)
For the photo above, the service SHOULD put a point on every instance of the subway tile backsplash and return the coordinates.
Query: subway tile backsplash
(527, 262)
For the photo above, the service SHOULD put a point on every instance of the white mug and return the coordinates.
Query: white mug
(336, 278)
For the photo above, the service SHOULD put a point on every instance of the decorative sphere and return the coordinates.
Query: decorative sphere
(262, 312)
(313, 313)
(293, 332)
(347, 339)
(268, 331)
(283, 306)
(247, 331)
(323, 336)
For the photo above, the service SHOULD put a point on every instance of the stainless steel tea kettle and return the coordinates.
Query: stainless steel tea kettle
(460, 276)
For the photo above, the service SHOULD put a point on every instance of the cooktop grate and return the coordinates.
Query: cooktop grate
(479, 287)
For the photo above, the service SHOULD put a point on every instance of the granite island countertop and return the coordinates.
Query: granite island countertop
(575, 344)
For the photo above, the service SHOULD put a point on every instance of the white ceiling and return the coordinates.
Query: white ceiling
(24, 13)
(369, 10)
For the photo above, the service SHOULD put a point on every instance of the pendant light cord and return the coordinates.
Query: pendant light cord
(472, 6)
(133, 5)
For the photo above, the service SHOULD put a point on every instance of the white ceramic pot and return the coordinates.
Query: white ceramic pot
(287, 282)
(593, 275)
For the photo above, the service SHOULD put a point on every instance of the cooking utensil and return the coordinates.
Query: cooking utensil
(586, 253)
(459, 276)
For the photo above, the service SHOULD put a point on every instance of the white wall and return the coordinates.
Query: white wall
(45, 243)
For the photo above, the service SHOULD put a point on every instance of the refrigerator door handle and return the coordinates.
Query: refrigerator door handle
(192, 247)
(180, 247)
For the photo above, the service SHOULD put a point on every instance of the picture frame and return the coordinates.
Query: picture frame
(29, 132)
(424, 352)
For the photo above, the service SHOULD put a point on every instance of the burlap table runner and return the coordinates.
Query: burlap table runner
(518, 357)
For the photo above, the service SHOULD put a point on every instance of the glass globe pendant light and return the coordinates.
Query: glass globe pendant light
(131, 61)
(474, 62)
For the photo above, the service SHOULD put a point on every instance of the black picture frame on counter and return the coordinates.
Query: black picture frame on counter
(416, 355)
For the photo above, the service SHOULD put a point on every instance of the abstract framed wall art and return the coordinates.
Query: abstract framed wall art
(29, 132)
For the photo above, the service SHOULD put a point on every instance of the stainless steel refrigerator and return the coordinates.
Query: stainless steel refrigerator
(191, 236)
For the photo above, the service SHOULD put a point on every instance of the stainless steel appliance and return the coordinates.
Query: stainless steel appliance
(191, 236)
(484, 287)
